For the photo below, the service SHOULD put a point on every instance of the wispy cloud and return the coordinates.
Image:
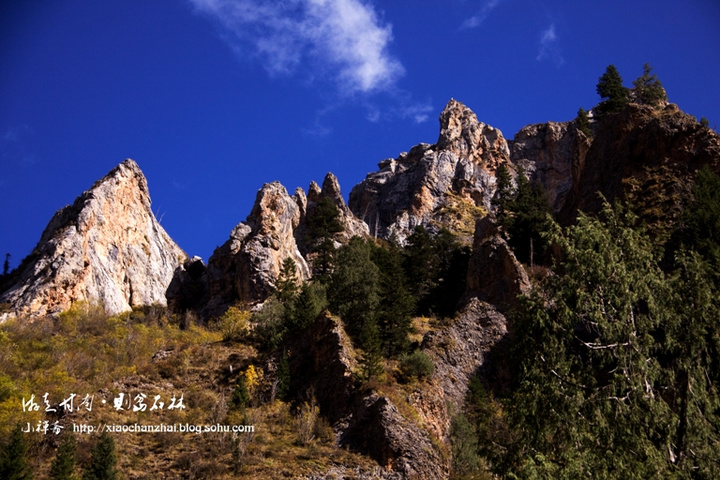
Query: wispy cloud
(550, 47)
(343, 40)
(477, 19)
(403, 108)
(13, 148)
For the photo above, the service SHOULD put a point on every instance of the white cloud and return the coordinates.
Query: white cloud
(477, 19)
(549, 47)
(342, 39)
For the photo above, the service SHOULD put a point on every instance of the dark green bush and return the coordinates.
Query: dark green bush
(416, 365)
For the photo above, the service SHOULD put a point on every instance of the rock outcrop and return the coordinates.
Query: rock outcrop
(494, 274)
(459, 350)
(352, 226)
(323, 367)
(446, 185)
(247, 265)
(107, 247)
(378, 429)
(646, 155)
(553, 154)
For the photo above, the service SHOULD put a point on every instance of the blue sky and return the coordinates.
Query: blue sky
(213, 98)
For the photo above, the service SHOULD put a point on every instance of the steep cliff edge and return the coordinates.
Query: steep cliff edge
(106, 247)
(645, 155)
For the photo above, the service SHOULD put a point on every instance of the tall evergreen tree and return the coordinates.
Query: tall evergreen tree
(526, 220)
(648, 89)
(700, 228)
(503, 190)
(310, 302)
(287, 283)
(421, 265)
(63, 466)
(323, 223)
(616, 362)
(13, 461)
(102, 460)
(354, 291)
(610, 87)
(396, 303)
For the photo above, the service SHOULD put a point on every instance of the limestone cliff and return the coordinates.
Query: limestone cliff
(352, 226)
(322, 368)
(447, 184)
(246, 266)
(553, 154)
(107, 247)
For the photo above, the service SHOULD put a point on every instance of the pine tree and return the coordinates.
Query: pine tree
(701, 219)
(283, 377)
(287, 283)
(452, 263)
(648, 89)
(616, 361)
(371, 358)
(583, 122)
(526, 220)
(63, 467)
(323, 223)
(13, 461)
(102, 460)
(324, 220)
(354, 292)
(241, 395)
(611, 88)
(421, 265)
(310, 302)
(396, 303)
(6, 264)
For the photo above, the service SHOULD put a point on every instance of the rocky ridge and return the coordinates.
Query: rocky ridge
(445, 185)
(106, 247)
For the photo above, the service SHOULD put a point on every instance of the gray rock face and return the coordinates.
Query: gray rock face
(247, 265)
(553, 154)
(459, 350)
(107, 247)
(352, 226)
(322, 364)
(494, 274)
(379, 430)
(446, 185)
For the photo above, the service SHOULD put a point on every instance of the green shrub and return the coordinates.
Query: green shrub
(416, 365)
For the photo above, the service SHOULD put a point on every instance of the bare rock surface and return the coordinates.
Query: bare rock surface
(494, 274)
(107, 247)
(247, 265)
(323, 365)
(447, 184)
(553, 154)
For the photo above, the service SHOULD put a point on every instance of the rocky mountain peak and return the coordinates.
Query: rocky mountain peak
(446, 185)
(462, 134)
(107, 247)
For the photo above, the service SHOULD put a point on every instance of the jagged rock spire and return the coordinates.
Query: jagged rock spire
(107, 247)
